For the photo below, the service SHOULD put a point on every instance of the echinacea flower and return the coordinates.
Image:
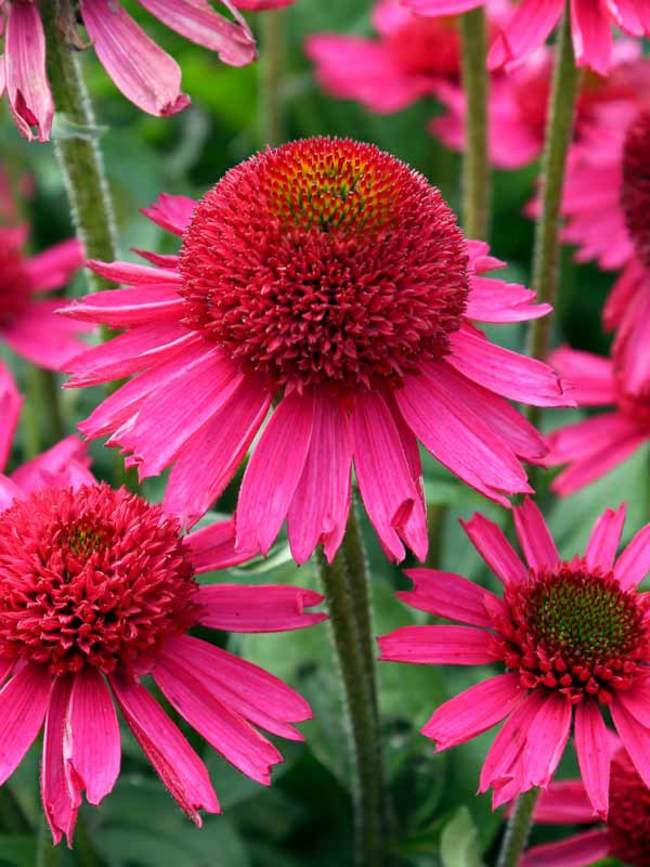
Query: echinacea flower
(594, 446)
(409, 59)
(534, 20)
(153, 83)
(98, 593)
(28, 323)
(625, 834)
(331, 279)
(572, 637)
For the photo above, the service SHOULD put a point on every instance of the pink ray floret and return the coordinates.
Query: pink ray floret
(325, 283)
(572, 638)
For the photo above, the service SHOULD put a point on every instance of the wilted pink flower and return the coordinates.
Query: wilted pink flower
(409, 60)
(534, 20)
(573, 638)
(596, 445)
(625, 834)
(153, 83)
(27, 321)
(330, 277)
(98, 590)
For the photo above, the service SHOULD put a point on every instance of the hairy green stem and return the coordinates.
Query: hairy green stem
(559, 129)
(271, 68)
(43, 422)
(76, 143)
(518, 829)
(476, 163)
(351, 633)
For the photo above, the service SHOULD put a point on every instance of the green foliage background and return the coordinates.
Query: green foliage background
(305, 818)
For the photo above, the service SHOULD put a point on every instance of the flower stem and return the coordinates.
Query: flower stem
(518, 829)
(76, 144)
(559, 129)
(43, 413)
(47, 855)
(476, 165)
(344, 584)
(271, 68)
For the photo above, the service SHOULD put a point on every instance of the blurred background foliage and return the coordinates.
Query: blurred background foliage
(305, 818)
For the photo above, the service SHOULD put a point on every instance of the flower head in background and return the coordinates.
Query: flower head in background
(28, 324)
(573, 638)
(410, 58)
(625, 834)
(327, 276)
(534, 20)
(153, 83)
(98, 590)
(594, 446)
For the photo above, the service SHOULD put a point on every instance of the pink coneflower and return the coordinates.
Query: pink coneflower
(410, 58)
(153, 83)
(625, 834)
(573, 638)
(328, 277)
(596, 445)
(519, 100)
(27, 321)
(534, 20)
(98, 593)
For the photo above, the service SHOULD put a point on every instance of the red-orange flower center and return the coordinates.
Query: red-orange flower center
(14, 285)
(628, 821)
(636, 184)
(576, 631)
(325, 261)
(91, 577)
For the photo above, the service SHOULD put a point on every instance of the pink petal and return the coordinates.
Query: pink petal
(9, 492)
(264, 608)
(635, 738)
(173, 213)
(384, 476)
(24, 71)
(60, 801)
(441, 7)
(605, 539)
(591, 376)
(591, 31)
(634, 563)
(493, 300)
(65, 465)
(195, 20)
(135, 274)
(92, 738)
(594, 760)
(447, 595)
(178, 766)
(53, 268)
(546, 739)
(213, 547)
(507, 373)
(209, 459)
(40, 336)
(227, 732)
(535, 537)
(597, 464)
(319, 509)
(473, 711)
(495, 549)
(627, 16)
(525, 31)
(273, 473)
(11, 402)
(565, 802)
(23, 703)
(585, 438)
(437, 645)
(145, 74)
(636, 701)
(581, 850)
(124, 308)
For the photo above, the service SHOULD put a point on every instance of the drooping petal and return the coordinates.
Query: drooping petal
(23, 703)
(40, 335)
(591, 376)
(546, 739)
(605, 538)
(565, 802)
(636, 701)
(442, 7)
(593, 757)
(473, 711)
(65, 465)
(493, 300)
(319, 509)
(60, 799)
(145, 74)
(635, 738)
(24, 72)
(170, 212)
(53, 268)
(178, 766)
(591, 31)
(447, 595)
(213, 547)
(634, 563)
(534, 536)
(437, 645)
(580, 850)
(596, 463)
(92, 739)
(525, 31)
(491, 543)
(264, 608)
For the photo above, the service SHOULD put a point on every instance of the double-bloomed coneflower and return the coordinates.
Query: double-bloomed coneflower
(573, 641)
(330, 279)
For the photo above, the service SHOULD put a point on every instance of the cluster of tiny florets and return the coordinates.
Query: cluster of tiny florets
(92, 577)
(325, 262)
(628, 821)
(574, 630)
(636, 184)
